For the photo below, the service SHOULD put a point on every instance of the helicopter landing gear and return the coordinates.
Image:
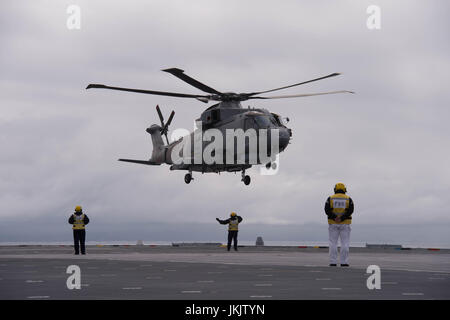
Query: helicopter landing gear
(188, 178)
(245, 179)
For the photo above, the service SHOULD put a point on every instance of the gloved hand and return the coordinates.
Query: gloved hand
(217, 219)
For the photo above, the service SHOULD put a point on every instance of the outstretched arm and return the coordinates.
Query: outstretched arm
(71, 219)
(223, 221)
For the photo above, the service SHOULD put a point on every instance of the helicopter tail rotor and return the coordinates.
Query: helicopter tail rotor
(165, 126)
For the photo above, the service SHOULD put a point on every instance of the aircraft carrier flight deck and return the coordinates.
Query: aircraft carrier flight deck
(209, 272)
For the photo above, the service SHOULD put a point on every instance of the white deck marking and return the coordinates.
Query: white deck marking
(260, 296)
(151, 278)
(264, 275)
(322, 279)
(412, 294)
(331, 288)
(169, 270)
(191, 291)
(34, 281)
(146, 265)
(85, 285)
(132, 288)
(262, 284)
(436, 278)
(315, 271)
(38, 297)
(205, 281)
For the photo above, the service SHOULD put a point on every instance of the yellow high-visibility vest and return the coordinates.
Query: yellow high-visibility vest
(233, 225)
(78, 223)
(339, 202)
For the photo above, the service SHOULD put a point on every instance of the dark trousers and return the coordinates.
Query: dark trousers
(79, 236)
(232, 235)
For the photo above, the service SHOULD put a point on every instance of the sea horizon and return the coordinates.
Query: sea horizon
(243, 242)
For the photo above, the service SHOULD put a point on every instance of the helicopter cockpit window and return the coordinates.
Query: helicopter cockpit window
(275, 121)
(262, 121)
(249, 123)
(278, 120)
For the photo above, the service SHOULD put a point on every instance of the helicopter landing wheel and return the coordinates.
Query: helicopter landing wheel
(188, 178)
(246, 180)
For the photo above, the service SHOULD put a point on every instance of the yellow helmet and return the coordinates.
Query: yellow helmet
(340, 187)
(233, 214)
(78, 209)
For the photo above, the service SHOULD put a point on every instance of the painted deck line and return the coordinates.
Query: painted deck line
(412, 294)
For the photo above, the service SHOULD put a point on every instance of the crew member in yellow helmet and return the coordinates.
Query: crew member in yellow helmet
(79, 220)
(233, 228)
(339, 208)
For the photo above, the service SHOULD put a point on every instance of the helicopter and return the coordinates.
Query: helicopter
(243, 136)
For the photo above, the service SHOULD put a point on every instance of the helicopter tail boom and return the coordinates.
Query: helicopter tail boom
(158, 153)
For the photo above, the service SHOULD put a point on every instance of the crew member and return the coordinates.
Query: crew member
(339, 208)
(79, 220)
(233, 223)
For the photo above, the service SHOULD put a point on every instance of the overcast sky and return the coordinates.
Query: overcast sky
(389, 143)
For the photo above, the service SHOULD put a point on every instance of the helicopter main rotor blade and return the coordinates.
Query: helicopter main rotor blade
(182, 76)
(160, 93)
(292, 85)
(302, 95)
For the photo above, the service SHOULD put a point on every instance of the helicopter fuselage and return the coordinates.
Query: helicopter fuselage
(237, 127)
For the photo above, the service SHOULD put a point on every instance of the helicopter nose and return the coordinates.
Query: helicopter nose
(285, 136)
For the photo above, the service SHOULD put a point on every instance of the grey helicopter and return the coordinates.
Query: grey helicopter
(268, 136)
